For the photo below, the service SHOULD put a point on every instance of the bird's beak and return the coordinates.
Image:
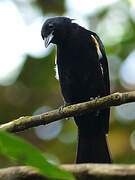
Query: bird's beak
(48, 39)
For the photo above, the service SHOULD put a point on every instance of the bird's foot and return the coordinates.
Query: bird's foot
(94, 98)
(62, 107)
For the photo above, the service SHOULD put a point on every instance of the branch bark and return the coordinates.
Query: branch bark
(80, 171)
(27, 122)
(101, 171)
(20, 173)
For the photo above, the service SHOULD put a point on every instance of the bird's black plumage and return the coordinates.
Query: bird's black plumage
(83, 74)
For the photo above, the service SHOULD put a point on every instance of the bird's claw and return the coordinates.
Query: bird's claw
(63, 106)
(94, 98)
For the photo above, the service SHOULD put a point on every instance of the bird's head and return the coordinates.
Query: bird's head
(55, 30)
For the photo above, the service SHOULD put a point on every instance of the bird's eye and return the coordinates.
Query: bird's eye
(50, 26)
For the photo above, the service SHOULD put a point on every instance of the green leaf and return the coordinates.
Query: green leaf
(26, 154)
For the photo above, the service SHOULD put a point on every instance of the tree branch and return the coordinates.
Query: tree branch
(20, 173)
(80, 171)
(101, 171)
(27, 122)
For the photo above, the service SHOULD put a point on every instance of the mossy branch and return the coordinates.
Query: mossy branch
(20, 173)
(80, 171)
(27, 122)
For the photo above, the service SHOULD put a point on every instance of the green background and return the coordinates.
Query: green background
(36, 86)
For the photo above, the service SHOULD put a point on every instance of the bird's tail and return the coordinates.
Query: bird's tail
(93, 149)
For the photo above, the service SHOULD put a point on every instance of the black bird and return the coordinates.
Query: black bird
(83, 75)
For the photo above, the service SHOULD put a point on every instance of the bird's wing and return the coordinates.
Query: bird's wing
(103, 61)
(104, 68)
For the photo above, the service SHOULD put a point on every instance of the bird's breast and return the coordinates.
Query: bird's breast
(78, 74)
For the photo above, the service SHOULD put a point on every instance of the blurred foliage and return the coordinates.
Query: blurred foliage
(51, 6)
(36, 85)
(26, 154)
(126, 43)
(31, 90)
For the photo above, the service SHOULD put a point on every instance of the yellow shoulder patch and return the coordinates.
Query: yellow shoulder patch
(97, 47)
